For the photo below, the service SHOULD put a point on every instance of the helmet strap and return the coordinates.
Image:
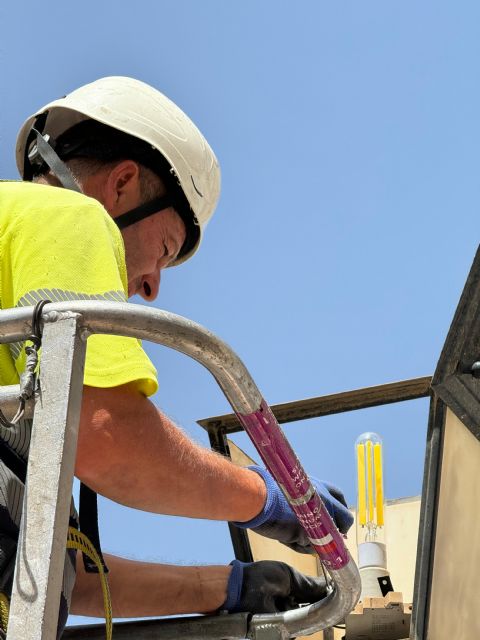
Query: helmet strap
(143, 211)
(38, 125)
(57, 166)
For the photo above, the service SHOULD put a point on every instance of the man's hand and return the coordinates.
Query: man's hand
(278, 521)
(270, 587)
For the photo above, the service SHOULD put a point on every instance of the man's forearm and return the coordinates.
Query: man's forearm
(147, 589)
(131, 453)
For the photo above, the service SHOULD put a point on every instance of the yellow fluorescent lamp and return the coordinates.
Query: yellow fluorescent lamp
(370, 508)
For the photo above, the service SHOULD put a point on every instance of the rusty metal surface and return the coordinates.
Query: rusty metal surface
(222, 627)
(331, 404)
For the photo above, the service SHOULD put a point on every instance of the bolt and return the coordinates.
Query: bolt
(476, 369)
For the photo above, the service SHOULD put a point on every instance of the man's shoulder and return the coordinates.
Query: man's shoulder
(44, 195)
(40, 204)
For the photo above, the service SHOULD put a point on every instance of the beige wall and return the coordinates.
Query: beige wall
(401, 527)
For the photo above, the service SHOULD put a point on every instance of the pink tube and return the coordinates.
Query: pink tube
(280, 459)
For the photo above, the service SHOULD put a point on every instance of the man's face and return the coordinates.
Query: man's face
(150, 246)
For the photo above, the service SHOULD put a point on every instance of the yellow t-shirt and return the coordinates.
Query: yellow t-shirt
(60, 245)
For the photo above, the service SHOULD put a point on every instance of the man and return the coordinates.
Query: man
(141, 166)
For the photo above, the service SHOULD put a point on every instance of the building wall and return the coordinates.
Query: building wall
(401, 528)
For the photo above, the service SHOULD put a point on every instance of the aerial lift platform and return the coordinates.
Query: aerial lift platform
(437, 594)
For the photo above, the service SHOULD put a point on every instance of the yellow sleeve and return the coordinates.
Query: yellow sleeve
(72, 250)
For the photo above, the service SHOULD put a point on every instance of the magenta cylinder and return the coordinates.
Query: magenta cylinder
(282, 462)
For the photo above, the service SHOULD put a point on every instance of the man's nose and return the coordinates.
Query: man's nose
(150, 286)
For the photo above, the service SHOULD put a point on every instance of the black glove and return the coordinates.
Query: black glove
(270, 587)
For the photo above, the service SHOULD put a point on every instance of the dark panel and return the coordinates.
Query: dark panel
(426, 531)
(456, 379)
(462, 345)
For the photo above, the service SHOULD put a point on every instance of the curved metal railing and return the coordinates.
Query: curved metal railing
(190, 338)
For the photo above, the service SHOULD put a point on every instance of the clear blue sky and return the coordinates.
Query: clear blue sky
(348, 136)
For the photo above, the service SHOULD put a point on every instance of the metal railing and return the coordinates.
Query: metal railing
(39, 567)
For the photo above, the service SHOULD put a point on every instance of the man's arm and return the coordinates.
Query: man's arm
(147, 589)
(141, 589)
(130, 452)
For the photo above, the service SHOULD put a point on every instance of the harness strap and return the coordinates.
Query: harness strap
(89, 527)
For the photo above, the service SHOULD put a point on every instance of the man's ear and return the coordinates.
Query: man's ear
(122, 187)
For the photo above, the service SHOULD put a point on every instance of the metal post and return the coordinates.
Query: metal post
(43, 533)
(239, 537)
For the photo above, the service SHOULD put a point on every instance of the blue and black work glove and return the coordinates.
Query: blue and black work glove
(270, 587)
(278, 521)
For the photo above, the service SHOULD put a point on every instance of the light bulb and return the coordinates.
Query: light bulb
(370, 497)
(372, 555)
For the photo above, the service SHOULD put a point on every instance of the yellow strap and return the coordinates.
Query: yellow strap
(4, 611)
(78, 540)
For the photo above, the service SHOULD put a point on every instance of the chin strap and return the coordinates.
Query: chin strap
(143, 211)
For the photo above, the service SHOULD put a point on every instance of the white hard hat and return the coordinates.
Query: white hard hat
(137, 109)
